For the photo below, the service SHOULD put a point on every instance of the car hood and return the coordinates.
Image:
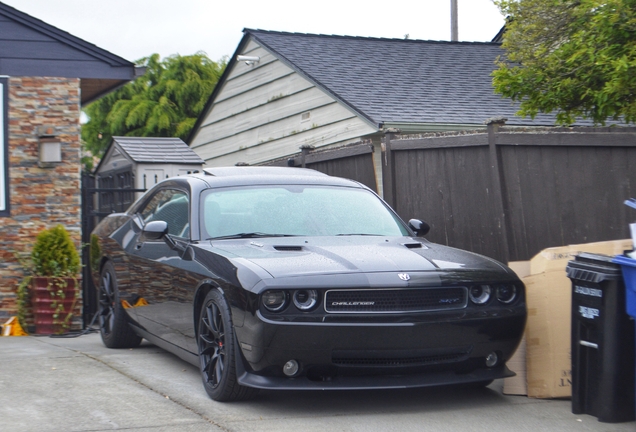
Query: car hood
(298, 256)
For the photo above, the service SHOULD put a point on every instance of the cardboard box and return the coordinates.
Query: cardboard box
(548, 330)
(517, 385)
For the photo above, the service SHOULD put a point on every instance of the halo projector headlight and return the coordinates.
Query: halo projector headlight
(479, 294)
(506, 293)
(274, 300)
(306, 300)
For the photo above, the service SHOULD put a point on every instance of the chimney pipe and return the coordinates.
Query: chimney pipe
(454, 31)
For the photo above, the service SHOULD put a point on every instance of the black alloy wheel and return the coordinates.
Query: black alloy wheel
(217, 351)
(212, 342)
(113, 321)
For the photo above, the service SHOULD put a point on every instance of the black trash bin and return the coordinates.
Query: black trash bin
(628, 265)
(602, 340)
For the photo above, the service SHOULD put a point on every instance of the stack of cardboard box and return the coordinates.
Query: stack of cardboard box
(543, 362)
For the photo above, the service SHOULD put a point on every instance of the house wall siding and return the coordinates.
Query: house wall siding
(39, 197)
(257, 115)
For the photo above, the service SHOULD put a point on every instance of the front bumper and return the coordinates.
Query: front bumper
(398, 352)
(372, 382)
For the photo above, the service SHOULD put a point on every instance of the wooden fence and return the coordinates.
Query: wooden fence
(506, 192)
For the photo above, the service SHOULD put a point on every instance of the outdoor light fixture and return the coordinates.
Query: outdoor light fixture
(249, 60)
(50, 147)
(50, 150)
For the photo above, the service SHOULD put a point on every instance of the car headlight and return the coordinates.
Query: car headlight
(506, 293)
(479, 294)
(274, 300)
(306, 300)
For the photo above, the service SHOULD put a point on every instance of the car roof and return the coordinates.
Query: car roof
(250, 175)
(260, 171)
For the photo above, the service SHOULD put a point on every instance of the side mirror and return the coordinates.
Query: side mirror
(420, 228)
(154, 230)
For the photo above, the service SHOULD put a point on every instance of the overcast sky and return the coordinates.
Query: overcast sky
(137, 28)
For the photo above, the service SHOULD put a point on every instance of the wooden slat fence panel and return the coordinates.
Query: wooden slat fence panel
(567, 195)
(358, 167)
(557, 187)
(508, 196)
(448, 189)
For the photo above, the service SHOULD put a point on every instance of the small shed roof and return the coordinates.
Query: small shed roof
(31, 47)
(157, 150)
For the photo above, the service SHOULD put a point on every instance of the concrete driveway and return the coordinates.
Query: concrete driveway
(53, 384)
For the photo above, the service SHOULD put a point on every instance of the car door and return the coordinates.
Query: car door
(160, 308)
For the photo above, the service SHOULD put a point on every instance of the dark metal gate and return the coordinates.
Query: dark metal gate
(114, 194)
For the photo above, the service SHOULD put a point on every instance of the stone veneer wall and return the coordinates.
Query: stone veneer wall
(40, 197)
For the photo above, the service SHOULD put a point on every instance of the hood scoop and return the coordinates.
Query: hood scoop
(288, 248)
(415, 245)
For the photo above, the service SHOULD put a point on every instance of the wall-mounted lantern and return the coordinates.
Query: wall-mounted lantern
(50, 147)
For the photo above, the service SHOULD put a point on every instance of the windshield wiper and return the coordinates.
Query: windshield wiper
(358, 234)
(249, 235)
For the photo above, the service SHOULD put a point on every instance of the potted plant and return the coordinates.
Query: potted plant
(54, 285)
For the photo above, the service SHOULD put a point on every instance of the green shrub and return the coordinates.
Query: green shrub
(54, 254)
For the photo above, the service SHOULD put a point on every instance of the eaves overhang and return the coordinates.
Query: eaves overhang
(67, 56)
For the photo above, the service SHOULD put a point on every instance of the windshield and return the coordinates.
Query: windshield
(295, 210)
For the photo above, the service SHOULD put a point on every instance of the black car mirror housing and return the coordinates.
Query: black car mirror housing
(155, 230)
(419, 227)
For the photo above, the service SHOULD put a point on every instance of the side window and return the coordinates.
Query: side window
(171, 206)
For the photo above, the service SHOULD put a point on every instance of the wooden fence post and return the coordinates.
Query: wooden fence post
(388, 171)
(497, 182)
(304, 151)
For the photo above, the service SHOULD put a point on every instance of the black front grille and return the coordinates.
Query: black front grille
(395, 300)
(373, 359)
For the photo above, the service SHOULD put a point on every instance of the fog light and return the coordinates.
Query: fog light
(492, 359)
(479, 294)
(291, 368)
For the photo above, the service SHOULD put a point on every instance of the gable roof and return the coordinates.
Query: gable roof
(31, 47)
(399, 80)
(157, 150)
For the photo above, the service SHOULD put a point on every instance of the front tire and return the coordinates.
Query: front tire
(217, 351)
(113, 321)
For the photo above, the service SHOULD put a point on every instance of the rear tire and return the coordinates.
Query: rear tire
(113, 321)
(218, 351)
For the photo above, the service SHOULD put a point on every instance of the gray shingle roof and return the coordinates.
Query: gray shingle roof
(398, 80)
(158, 150)
(31, 47)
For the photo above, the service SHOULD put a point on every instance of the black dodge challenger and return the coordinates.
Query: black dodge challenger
(290, 279)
